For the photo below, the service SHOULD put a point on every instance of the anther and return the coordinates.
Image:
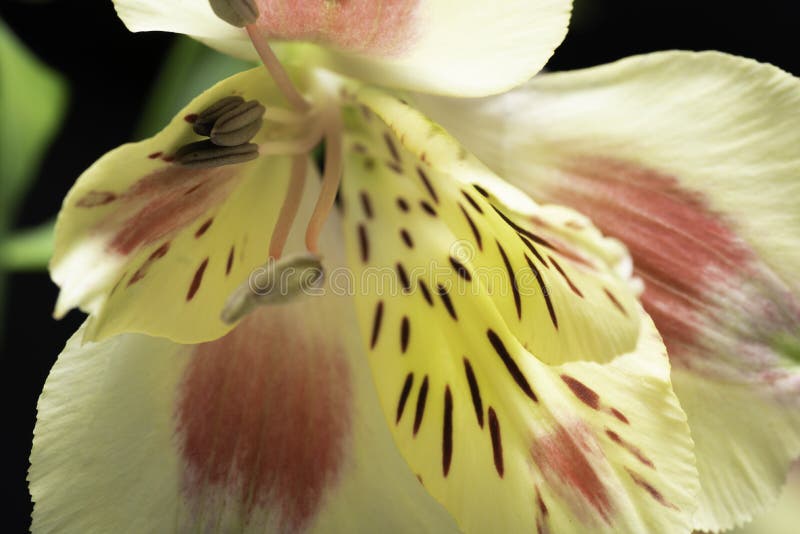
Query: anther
(205, 154)
(238, 125)
(277, 282)
(239, 13)
(208, 117)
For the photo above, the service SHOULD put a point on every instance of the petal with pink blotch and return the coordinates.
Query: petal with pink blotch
(691, 160)
(471, 47)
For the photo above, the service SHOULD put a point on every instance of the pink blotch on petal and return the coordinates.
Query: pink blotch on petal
(689, 257)
(263, 417)
(163, 202)
(371, 27)
(566, 458)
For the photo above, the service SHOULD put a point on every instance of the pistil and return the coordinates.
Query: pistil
(331, 178)
(275, 69)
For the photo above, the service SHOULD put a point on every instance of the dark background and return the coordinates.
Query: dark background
(110, 72)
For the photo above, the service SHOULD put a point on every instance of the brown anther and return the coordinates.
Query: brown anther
(238, 13)
(238, 125)
(208, 117)
(205, 154)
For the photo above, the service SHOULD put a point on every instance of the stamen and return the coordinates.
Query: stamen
(290, 205)
(205, 154)
(208, 117)
(277, 282)
(276, 70)
(331, 179)
(238, 125)
(238, 13)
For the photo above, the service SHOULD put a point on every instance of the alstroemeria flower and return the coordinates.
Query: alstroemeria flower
(474, 360)
(692, 160)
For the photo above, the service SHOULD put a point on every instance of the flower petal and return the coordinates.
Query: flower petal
(146, 245)
(692, 161)
(427, 217)
(427, 45)
(477, 379)
(274, 427)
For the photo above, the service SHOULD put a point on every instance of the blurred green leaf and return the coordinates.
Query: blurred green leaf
(32, 103)
(189, 69)
(27, 250)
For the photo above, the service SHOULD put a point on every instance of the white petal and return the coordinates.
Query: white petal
(472, 49)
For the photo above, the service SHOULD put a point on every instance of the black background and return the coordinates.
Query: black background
(110, 71)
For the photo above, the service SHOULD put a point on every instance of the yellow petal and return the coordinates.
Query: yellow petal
(478, 380)
(145, 245)
(692, 161)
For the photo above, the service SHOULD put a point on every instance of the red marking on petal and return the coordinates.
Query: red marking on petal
(615, 302)
(264, 416)
(584, 393)
(191, 118)
(373, 27)
(155, 155)
(140, 273)
(204, 228)
(93, 199)
(564, 458)
(159, 204)
(229, 264)
(654, 493)
(619, 415)
(631, 448)
(675, 239)
(197, 280)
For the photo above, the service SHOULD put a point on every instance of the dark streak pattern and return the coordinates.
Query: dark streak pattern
(403, 204)
(422, 397)
(513, 279)
(426, 292)
(363, 243)
(406, 237)
(446, 301)
(366, 205)
(405, 333)
(460, 269)
(511, 365)
(472, 226)
(392, 147)
(474, 391)
(401, 403)
(377, 319)
(545, 292)
(197, 280)
(427, 208)
(631, 448)
(565, 277)
(428, 185)
(203, 228)
(654, 493)
(527, 233)
(615, 302)
(527, 242)
(447, 432)
(403, 276)
(484, 193)
(229, 264)
(472, 202)
(497, 442)
(585, 394)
